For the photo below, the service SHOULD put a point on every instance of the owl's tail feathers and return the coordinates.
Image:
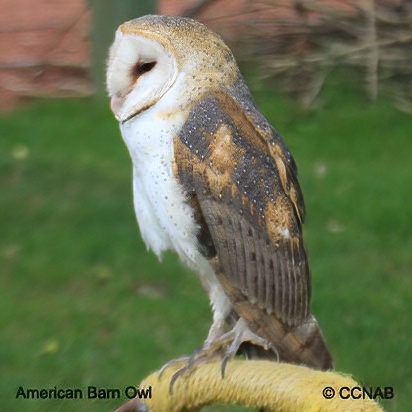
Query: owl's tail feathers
(312, 347)
(303, 344)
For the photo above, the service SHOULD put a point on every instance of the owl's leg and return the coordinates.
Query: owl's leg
(216, 330)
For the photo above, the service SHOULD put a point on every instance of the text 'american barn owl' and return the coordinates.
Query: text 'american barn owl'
(214, 181)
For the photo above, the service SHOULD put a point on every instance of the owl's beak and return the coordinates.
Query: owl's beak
(121, 113)
(116, 104)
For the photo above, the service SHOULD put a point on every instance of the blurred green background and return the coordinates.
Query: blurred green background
(83, 303)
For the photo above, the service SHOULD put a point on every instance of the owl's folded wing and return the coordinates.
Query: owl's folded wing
(243, 186)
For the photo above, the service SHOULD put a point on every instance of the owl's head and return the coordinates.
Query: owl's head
(150, 53)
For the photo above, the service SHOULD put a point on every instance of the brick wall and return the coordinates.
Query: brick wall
(44, 49)
(45, 45)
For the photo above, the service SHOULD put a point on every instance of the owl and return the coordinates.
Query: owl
(214, 181)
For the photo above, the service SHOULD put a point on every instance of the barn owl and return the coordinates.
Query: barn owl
(214, 181)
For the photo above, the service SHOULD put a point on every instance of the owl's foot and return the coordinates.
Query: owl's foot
(224, 347)
(234, 339)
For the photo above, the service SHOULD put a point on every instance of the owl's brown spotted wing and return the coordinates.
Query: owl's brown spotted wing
(242, 180)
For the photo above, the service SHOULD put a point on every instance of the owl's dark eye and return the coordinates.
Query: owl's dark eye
(141, 68)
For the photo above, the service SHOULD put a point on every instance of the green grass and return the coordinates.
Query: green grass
(82, 302)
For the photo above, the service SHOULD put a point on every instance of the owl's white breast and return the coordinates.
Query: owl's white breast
(165, 219)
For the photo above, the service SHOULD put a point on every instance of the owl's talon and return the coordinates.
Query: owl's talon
(171, 363)
(199, 356)
(192, 360)
(180, 372)
(223, 365)
(272, 348)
